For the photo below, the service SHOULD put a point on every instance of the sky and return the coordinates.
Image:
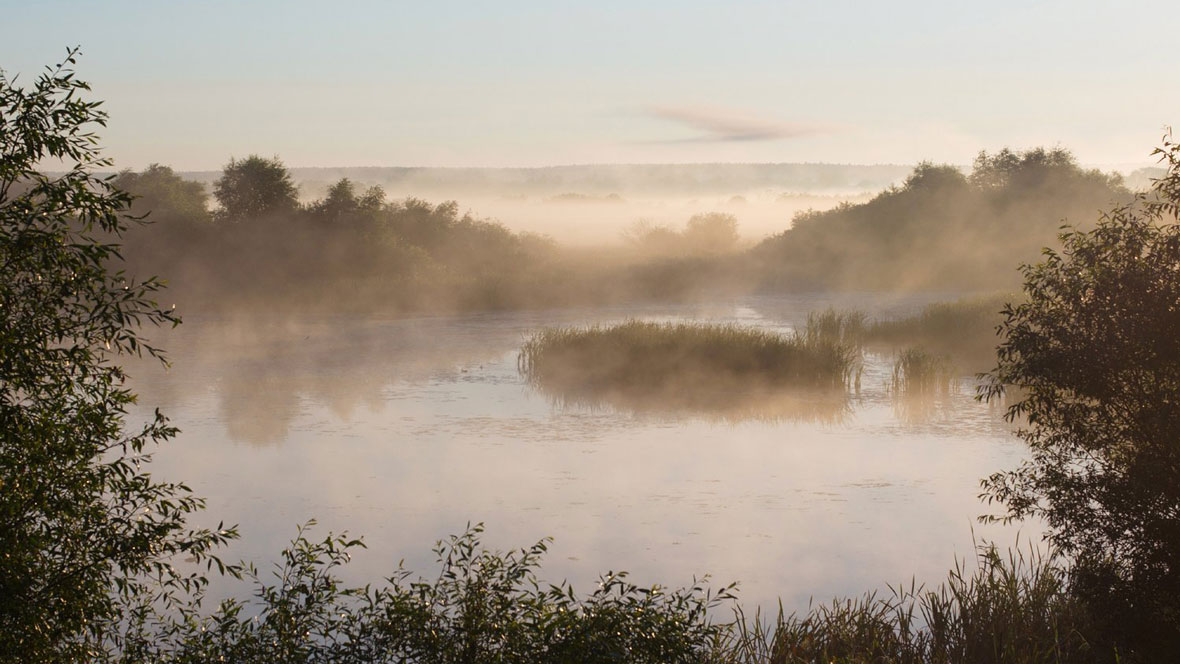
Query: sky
(535, 83)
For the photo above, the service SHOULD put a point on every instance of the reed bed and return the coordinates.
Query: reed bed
(918, 373)
(922, 383)
(964, 330)
(692, 365)
(1010, 608)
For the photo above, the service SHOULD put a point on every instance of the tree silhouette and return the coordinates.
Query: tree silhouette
(1095, 355)
(88, 537)
(254, 188)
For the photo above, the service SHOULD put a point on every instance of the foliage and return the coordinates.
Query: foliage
(351, 250)
(175, 219)
(1096, 354)
(255, 188)
(85, 532)
(704, 234)
(164, 195)
(483, 606)
(711, 233)
(940, 230)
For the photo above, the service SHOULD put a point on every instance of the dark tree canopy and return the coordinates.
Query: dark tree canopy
(254, 188)
(1094, 357)
(344, 205)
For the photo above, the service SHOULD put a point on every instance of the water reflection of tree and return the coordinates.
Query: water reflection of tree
(263, 375)
(259, 408)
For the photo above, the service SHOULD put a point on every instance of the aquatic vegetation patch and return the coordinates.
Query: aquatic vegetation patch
(917, 372)
(688, 365)
(921, 383)
(963, 330)
(1017, 607)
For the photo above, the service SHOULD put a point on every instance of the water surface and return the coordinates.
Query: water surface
(406, 430)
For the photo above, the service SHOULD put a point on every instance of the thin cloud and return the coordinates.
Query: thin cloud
(722, 125)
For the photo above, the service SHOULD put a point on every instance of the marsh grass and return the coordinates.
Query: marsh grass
(921, 383)
(962, 330)
(1009, 608)
(919, 373)
(727, 370)
(845, 327)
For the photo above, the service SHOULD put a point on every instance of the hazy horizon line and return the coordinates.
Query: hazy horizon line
(966, 165)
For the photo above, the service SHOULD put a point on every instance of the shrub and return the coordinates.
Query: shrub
(1095, 354)
(483, 606)
(87, 536)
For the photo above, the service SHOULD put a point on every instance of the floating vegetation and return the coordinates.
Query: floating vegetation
(726, 370)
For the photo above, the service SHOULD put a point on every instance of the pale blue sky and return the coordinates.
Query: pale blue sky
(537, 83)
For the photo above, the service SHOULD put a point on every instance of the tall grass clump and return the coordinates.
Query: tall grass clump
(1013, 608)
(684, 365)
(844, 327)
(920, 381)
(918, 373)
(964, 329)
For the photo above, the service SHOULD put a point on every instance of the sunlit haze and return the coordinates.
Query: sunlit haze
(544, 83)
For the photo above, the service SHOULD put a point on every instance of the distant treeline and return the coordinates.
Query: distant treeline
(354, 249)
(942, 229)
(602, 179)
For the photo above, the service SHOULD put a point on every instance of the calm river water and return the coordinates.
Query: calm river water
(405, 430)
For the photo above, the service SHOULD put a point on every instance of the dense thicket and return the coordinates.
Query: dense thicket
(355, 250)
(941, 229)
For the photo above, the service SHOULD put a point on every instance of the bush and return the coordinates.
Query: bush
(939, 230)
(483, 606)
(1096, 356)
(87, 536)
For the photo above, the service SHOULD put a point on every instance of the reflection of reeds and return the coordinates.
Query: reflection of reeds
(917, 372)
(724, 370)
(920, 381)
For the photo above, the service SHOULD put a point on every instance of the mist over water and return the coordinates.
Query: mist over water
(592, 205)
(786, 298)
(363, 359)
(405, 429)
